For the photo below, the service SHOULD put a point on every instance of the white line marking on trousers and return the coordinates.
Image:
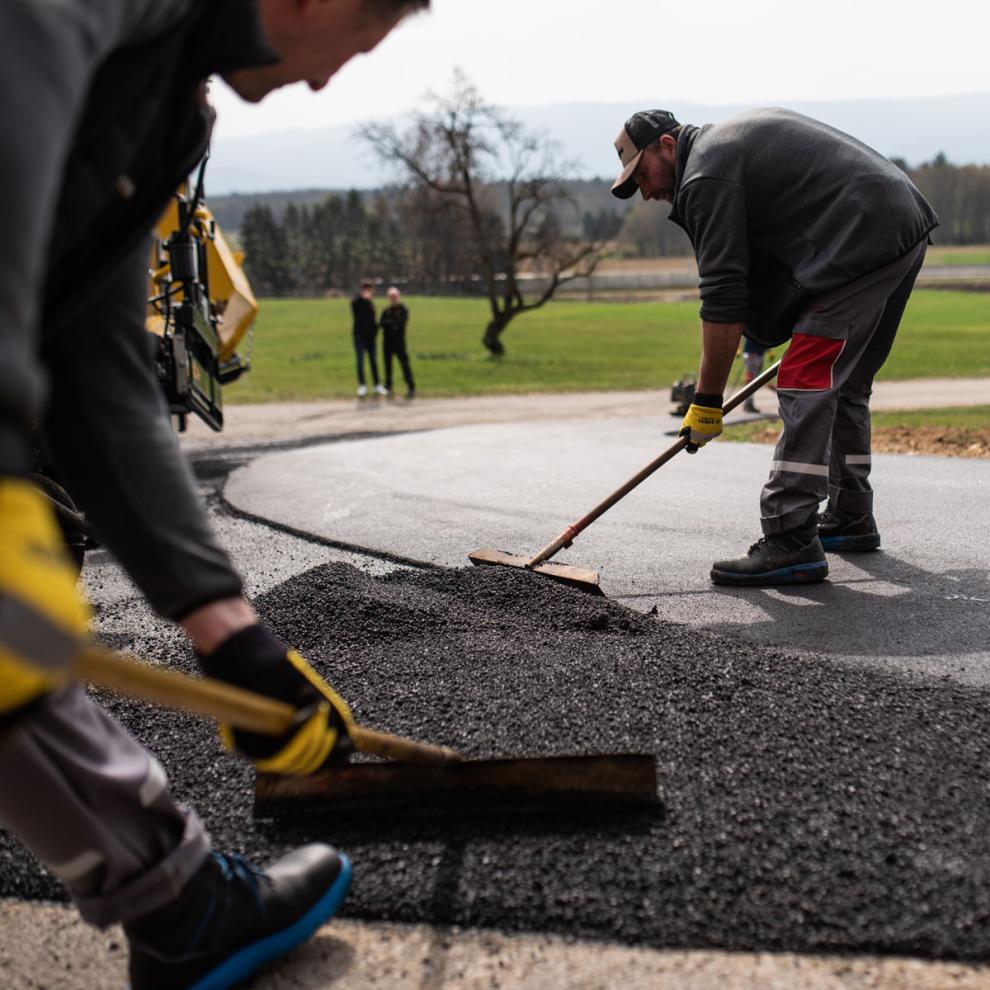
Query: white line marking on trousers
(858, 459)
(154, 783)
(78, 867)
(796, 467)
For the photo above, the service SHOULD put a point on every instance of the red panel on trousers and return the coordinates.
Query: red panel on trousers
(808, 363)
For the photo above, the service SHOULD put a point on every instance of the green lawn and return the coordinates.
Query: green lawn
(958, 256)
(303, 349)
(965, 417)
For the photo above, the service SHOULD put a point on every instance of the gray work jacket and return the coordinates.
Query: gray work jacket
(781, 208)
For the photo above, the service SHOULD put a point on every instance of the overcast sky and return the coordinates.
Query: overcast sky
(533, 52)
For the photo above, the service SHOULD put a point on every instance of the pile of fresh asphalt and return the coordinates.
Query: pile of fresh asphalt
(806, 805)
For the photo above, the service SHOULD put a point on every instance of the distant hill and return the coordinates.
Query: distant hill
(333, 158)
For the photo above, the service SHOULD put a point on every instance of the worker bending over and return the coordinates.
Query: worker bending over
(801, 233)
(104, 110)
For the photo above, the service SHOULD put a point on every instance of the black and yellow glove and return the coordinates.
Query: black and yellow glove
(255, 660)
(703, 421)
(42, 618)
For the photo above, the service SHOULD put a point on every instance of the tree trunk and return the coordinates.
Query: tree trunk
(493, 337)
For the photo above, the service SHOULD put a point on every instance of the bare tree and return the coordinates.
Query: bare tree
(508, 189)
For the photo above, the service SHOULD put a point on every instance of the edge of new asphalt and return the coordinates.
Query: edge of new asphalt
(385, 956)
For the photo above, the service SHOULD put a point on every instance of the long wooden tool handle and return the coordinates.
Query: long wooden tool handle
(226, 703)
(567, 537)
(399, 748)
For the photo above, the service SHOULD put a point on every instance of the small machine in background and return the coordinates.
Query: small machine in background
(682, 394)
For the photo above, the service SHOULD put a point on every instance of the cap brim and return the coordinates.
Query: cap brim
(625, 185)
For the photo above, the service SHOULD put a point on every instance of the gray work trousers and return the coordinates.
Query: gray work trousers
(824, 385)
(93, 805)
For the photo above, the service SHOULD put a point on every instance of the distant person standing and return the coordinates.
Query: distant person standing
(753, 355)
(365, 330)
(393, 323)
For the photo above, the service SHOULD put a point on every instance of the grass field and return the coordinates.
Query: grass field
(978, 254)
(303, 350)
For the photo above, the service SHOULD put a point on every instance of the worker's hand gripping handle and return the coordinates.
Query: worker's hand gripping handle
(226, 703)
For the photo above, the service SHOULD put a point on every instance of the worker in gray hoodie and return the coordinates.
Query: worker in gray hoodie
(104, 106)
(802, 234)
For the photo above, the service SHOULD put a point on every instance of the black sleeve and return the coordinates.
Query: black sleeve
(109, 432)
(714, 213)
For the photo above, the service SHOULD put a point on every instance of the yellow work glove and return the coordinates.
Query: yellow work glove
(255, 660)
(702, 423)
(42, 618)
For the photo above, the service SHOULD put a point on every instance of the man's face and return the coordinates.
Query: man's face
(313, 39)
(393, 298)
(655, 173)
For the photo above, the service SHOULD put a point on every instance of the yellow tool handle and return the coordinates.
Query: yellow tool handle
(226, 703)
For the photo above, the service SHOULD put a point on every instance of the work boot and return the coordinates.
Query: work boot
(750, 406)
(785, 558)
(840, 531)
(231, 918)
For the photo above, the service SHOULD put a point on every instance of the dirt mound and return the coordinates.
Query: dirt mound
(940, 441)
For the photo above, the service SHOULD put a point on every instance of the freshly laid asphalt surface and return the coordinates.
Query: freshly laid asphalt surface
(808, 803)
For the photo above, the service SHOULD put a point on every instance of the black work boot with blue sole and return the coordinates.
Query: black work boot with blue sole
(231, 918)
(844, 533)
(785, 558)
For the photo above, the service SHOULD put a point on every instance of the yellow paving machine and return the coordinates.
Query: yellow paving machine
(201, 308)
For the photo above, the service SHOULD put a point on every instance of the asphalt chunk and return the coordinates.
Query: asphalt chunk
(808, 805)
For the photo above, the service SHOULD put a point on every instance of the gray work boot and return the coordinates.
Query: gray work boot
(231, 918)
(842, 532)
(785, 558)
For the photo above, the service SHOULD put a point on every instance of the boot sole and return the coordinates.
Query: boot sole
(851, 544)
(245, 961)
(795, 574)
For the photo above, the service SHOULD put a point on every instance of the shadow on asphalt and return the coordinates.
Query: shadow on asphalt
(895, 609)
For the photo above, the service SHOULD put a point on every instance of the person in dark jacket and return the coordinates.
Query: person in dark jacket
(117, 116)
(801, 233)
(753, 355)
(394, 320)
(365, 332)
